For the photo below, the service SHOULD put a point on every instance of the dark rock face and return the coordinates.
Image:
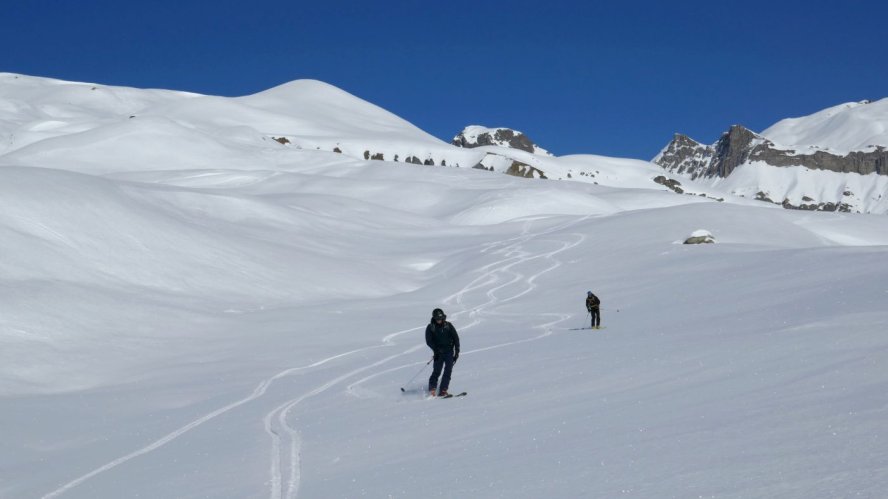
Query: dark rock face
(731, 151)
(739, 145)
(670, 183)
(502, 137)
(699, 240)
(842, 207)
(519, 169)
(686, 155)
(860, 162)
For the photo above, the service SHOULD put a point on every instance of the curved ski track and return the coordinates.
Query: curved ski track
(495, 279)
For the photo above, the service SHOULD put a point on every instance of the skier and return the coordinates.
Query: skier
(592, 305)
(441, 337)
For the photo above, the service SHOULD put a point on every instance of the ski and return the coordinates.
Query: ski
(451, 395)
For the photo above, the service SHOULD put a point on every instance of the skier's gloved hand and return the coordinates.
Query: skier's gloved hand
(455, 357)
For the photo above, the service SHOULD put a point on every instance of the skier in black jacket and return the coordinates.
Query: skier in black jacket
(593, 305)
(441, 337)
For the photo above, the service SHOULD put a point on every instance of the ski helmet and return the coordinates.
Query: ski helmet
(588, 293)
(438, 314)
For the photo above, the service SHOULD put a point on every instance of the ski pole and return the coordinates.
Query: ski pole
(417, 374)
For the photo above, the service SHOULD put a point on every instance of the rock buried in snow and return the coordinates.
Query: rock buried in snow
(700, 237)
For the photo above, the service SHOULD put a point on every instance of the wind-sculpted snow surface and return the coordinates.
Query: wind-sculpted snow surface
(242, 328)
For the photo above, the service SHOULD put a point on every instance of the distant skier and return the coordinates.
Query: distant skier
(441, 337)
(592, 305)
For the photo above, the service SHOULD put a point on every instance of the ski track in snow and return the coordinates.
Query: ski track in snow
(514, 256)
(495, 277)
(258, 392)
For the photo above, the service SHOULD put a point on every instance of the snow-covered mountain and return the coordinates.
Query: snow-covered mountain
(216, 297)
(68, 125)
(836, 159)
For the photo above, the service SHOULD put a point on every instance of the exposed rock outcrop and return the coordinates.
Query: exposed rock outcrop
(476, 136)
(670, 183)
(509, 166)
(700, 237)
(740, 145)
(519, 169)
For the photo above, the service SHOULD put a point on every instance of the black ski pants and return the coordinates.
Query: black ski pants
(445, 360)
(596, 317)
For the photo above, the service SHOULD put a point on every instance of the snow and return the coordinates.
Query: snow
(853, 126)
(472, 132)
(191, 309)
(862, 193)
(701, 233)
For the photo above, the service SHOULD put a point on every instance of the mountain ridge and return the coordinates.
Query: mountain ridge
(58, 124)
(73, 123)
(857, 149)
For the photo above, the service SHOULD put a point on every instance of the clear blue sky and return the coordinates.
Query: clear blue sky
(615, 78)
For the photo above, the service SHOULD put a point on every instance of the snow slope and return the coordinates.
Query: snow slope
(107, 130)
(242, 327)
(853, 126)
(800, 186)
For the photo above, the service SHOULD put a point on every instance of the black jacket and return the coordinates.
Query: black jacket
(442, 337)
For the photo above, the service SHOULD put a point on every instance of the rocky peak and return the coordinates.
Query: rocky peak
(476, 136)
(685, 155)
(732, 150)
(739, 146)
